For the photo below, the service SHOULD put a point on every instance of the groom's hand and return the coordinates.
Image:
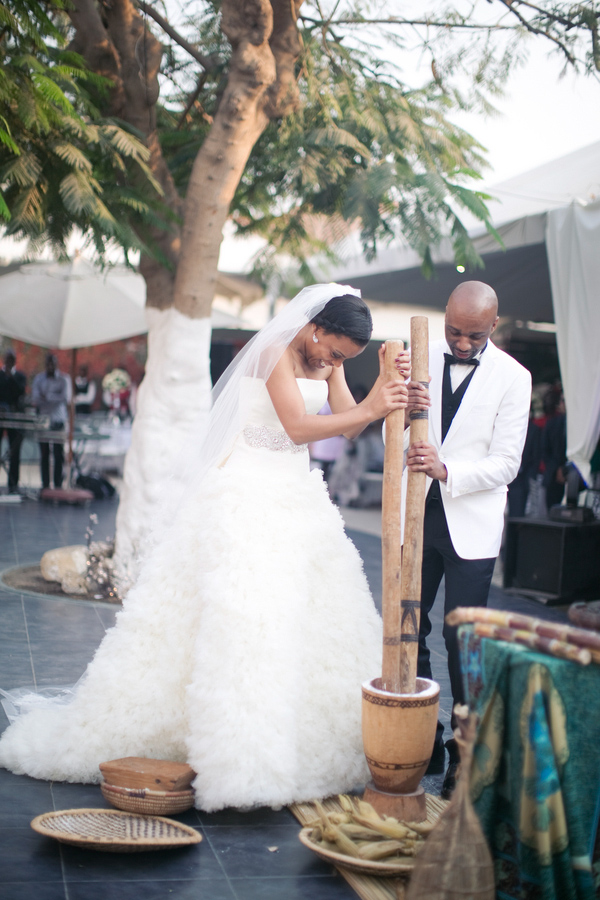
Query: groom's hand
(423, 457)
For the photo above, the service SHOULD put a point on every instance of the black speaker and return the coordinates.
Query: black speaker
(555, 562)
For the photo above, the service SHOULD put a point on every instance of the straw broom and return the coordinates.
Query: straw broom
(455, 863)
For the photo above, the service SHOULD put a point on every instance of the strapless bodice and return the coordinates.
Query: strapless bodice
(261, 428)
(257, 408)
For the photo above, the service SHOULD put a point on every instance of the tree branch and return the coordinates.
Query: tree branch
(396, 20)
(192, 101)
(286, 46)
(541, 31)
(548, 14)
(208, 62)
(92, 41)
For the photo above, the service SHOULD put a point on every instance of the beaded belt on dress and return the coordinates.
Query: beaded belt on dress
(271, 439)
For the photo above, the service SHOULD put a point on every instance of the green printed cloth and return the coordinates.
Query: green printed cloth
(535, 781)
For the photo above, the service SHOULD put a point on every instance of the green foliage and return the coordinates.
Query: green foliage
(63, 167)
(363, 151)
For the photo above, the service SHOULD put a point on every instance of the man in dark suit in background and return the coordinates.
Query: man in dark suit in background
(12, 400)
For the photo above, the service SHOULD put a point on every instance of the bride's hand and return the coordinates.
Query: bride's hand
(402, 363)
(385, 397)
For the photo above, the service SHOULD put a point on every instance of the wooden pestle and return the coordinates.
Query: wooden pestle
(412, 556)
(391, 549)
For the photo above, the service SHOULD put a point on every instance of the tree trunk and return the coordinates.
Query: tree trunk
(175, 392)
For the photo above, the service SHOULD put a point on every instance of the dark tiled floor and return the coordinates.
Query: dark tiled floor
(46, 641)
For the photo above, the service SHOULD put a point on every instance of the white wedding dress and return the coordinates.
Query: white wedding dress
(242, 647)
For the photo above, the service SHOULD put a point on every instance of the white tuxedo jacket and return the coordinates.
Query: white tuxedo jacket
(483, 447)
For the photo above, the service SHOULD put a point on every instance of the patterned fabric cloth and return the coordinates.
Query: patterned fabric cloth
(535, 780)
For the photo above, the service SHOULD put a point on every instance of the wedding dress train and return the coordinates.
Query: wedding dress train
(241, 648)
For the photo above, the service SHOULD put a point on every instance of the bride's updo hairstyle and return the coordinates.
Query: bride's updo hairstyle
(347, 315)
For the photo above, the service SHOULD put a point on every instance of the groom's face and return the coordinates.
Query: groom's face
(467, 331)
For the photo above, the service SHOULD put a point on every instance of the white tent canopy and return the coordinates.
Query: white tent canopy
(518, 213)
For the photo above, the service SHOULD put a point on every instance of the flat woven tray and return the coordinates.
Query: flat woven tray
(353, 864)
(113, 830)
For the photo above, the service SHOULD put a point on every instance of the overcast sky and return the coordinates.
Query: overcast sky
(543, 117)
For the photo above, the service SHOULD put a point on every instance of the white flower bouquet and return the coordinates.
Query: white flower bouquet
(115, 381)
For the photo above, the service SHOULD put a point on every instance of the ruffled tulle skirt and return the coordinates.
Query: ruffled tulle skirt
(240, 650)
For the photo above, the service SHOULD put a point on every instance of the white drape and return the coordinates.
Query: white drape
(573, 244)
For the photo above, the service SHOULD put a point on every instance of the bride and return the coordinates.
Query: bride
(242, 646)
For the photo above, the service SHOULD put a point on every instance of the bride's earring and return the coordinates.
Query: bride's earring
(315, 338)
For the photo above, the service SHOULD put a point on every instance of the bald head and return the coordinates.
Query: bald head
(471, 318)
(474, 297)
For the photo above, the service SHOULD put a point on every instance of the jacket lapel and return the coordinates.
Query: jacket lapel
(477, 388)
(436, 370)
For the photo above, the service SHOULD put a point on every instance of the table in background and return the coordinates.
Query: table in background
(535, 780)
(35, 428)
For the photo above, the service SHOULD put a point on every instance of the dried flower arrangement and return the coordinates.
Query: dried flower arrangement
(99, 579)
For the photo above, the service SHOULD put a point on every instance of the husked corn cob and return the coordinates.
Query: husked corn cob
(360, 832)
(380, 849)
(422, 828)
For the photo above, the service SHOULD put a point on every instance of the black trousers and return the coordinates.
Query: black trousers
(59, 458)
(467, 584)
(15, 439)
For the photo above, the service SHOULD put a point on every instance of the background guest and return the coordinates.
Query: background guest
(12, 400)
(518, 490)
(554, 448)
(51, 395)
(85, 391)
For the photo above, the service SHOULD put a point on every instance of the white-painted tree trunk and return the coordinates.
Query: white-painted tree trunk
(172, 399)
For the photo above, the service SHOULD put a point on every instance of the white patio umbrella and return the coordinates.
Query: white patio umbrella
(67, 305)
(74, 304)
(71, 304)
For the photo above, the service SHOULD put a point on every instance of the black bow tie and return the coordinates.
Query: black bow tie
(453, 361)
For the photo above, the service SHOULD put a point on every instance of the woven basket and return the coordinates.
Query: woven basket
(113, 830)
(144, 800)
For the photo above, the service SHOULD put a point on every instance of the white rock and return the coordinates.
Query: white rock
(57, 564)
(73, 583)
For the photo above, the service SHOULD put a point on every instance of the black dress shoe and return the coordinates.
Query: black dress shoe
(450, 779)
(437, 762)
(453, 770)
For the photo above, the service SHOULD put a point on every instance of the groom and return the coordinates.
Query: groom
(479, 398)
